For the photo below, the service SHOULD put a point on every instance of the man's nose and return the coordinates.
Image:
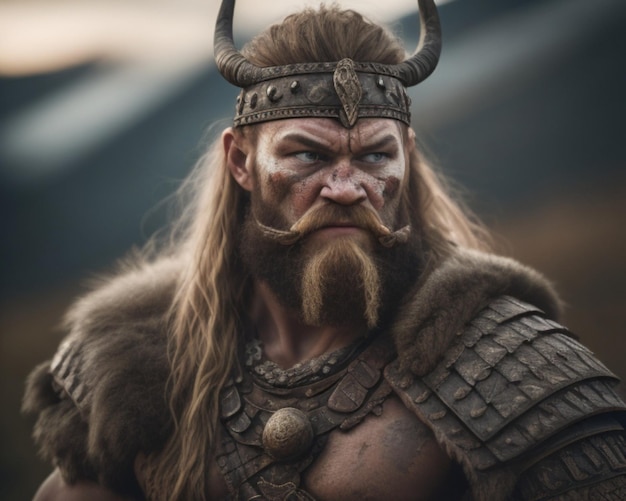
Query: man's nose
(343, 186)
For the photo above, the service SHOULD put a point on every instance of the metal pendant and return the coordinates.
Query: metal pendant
(288, 434)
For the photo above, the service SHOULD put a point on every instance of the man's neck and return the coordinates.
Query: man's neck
(286, 339)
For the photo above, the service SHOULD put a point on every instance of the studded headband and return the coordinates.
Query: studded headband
(346, 90)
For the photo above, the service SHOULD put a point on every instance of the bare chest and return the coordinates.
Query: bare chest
(344, 436)
(390, 456)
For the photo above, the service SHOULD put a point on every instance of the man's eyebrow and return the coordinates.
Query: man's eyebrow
(386, 140)
(315, 144)
(308, 141)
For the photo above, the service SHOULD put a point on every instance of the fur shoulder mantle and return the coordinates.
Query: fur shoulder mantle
(501, 384)
(102, 399)
(453, 294)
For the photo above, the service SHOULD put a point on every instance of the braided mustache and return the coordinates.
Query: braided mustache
(336, 215)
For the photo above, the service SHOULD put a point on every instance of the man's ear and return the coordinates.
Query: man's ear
(411, 138)
(235, 149)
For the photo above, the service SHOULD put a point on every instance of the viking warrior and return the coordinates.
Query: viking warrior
(329, 324)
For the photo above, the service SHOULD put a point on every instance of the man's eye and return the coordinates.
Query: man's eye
(308, 156)
(374, 158)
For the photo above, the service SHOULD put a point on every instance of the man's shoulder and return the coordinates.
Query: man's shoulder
(136, 295)
(452, 294)
(512, 385)
(116, 330)
(54, 488)
(102, 398)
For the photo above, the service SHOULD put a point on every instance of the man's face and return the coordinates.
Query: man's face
(339, 189)
(304, 164)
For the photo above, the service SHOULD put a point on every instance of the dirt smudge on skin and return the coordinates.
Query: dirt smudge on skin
(392, 185)
(280, 184)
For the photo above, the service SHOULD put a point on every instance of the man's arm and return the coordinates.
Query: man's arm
(54, 488)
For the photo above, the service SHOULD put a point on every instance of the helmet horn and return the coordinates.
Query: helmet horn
(235, 68)
(425, 58)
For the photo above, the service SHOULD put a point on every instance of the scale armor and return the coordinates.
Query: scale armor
(515, 396)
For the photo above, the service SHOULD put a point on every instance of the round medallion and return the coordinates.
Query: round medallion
(287, 434)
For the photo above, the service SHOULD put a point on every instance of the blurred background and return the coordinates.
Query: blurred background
(105, 106)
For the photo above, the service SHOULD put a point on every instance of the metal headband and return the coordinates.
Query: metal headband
(346, 90)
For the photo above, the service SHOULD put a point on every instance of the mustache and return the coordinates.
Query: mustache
(337, 215)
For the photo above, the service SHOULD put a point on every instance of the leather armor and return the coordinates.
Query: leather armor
(513, 393)
(529, 413)
(515, 388)
(340, 400)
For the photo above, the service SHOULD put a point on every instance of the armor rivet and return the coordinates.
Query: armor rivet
(272, 94)
(295, 86)
(421, 398)
(380, 82)
(288, 434)
(404, 383)
(461, 393)
(476, 413)
(437, 415)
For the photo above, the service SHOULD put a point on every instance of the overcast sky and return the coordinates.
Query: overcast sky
(38, 36)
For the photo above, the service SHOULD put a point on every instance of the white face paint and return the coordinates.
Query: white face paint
(305, 162)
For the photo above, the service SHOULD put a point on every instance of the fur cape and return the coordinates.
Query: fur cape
(102, 400)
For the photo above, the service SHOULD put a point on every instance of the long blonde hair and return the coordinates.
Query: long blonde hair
(210, 303)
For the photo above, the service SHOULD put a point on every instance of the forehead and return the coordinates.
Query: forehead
(330, 132)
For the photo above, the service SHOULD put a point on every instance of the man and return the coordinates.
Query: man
(329, 325)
